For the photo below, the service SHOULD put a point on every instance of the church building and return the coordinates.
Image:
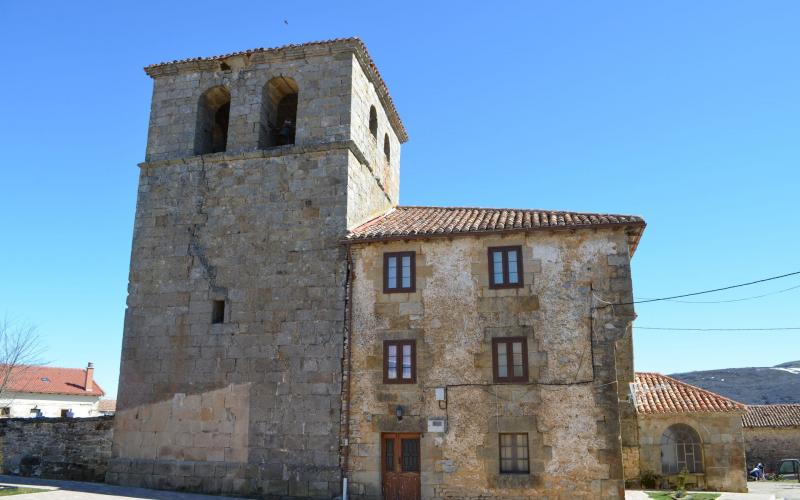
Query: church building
(292, 331)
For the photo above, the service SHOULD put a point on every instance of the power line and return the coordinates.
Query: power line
(768, 329)
(726, 301)
(708, 291)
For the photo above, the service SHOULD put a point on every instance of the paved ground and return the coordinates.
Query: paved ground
(72, 490)
(759, 490)
(787, 490)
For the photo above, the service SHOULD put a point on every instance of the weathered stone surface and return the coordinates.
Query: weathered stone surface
(569, 407)
(250, 405)
(770, 445)
(253, 404)
(722, 442)
(57, 448)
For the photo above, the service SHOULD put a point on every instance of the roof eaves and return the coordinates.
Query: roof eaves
(633, 238)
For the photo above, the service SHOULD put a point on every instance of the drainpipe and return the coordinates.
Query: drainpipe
(346, 364)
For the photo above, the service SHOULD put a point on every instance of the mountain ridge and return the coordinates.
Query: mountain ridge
(750, 385)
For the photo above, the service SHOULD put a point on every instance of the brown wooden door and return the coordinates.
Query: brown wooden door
(400, 456)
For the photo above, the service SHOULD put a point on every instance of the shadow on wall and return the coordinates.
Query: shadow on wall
(60, 448)
(212, 426)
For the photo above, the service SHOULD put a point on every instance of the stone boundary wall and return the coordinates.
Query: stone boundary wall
(769, 445)
(58, 448)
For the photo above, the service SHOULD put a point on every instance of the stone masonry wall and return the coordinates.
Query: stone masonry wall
(387, 172)
(723, 447)
(769, 445)
(251, 405)
(248, 405)
(630, 464)
(57, 448)
(333, 105)
(569, 407)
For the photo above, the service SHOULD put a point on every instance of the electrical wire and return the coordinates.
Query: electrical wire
(726, 301)
(768, 329)
(707, 291)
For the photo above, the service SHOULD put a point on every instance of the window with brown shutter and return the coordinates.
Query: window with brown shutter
(399, 362)
(514, 454)
(505, 267)
(510, 359)
(399, 274)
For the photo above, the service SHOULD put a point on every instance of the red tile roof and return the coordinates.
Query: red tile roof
(50, 380)
(354, 42)
(107, 405)
(784, 415)
(424, 222)
(655, 393)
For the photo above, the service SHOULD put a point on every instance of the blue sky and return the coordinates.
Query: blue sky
(686, 113)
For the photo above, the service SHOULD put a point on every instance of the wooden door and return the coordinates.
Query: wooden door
(400, 457)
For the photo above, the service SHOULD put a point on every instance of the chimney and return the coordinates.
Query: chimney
(88, 386)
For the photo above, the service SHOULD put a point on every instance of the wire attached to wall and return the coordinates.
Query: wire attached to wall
(739, 285)
(767, 329)
(731, 300)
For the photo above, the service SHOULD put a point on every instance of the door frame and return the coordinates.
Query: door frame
(397, 456)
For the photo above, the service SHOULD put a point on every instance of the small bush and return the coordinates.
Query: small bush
(650, 479)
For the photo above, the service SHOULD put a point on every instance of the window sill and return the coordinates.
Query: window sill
(506, 287)
(513, 480)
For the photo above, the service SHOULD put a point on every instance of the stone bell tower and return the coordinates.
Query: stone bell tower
(257, 164)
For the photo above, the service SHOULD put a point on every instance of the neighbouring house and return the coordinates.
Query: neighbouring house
(481, 361)
(106, 407)
(771, 433)
(292, 331)
(684, 427)
(46, 391)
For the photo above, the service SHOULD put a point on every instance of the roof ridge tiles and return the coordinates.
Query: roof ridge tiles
(511, 209)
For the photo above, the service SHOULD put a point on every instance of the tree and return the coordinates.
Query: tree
(20, 348)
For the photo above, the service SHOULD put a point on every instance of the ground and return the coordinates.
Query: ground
(761, 490)
(73, 490)
(7, 491)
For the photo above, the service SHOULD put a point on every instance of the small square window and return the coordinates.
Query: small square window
(514, 454)
(218, 312)
(64, 413)
(510, 359)
(399, 362)
(5, 412)
(399, 273)
(505, 267)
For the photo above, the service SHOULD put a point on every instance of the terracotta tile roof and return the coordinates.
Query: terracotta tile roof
(50, 380)
(107, 405)
(423, 222)
(783, 415)
(655, 393)
(353, 42)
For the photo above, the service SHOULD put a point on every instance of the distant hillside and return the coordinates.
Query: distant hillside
(755, 386)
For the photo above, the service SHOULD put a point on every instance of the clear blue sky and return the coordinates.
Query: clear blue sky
(684, 112)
